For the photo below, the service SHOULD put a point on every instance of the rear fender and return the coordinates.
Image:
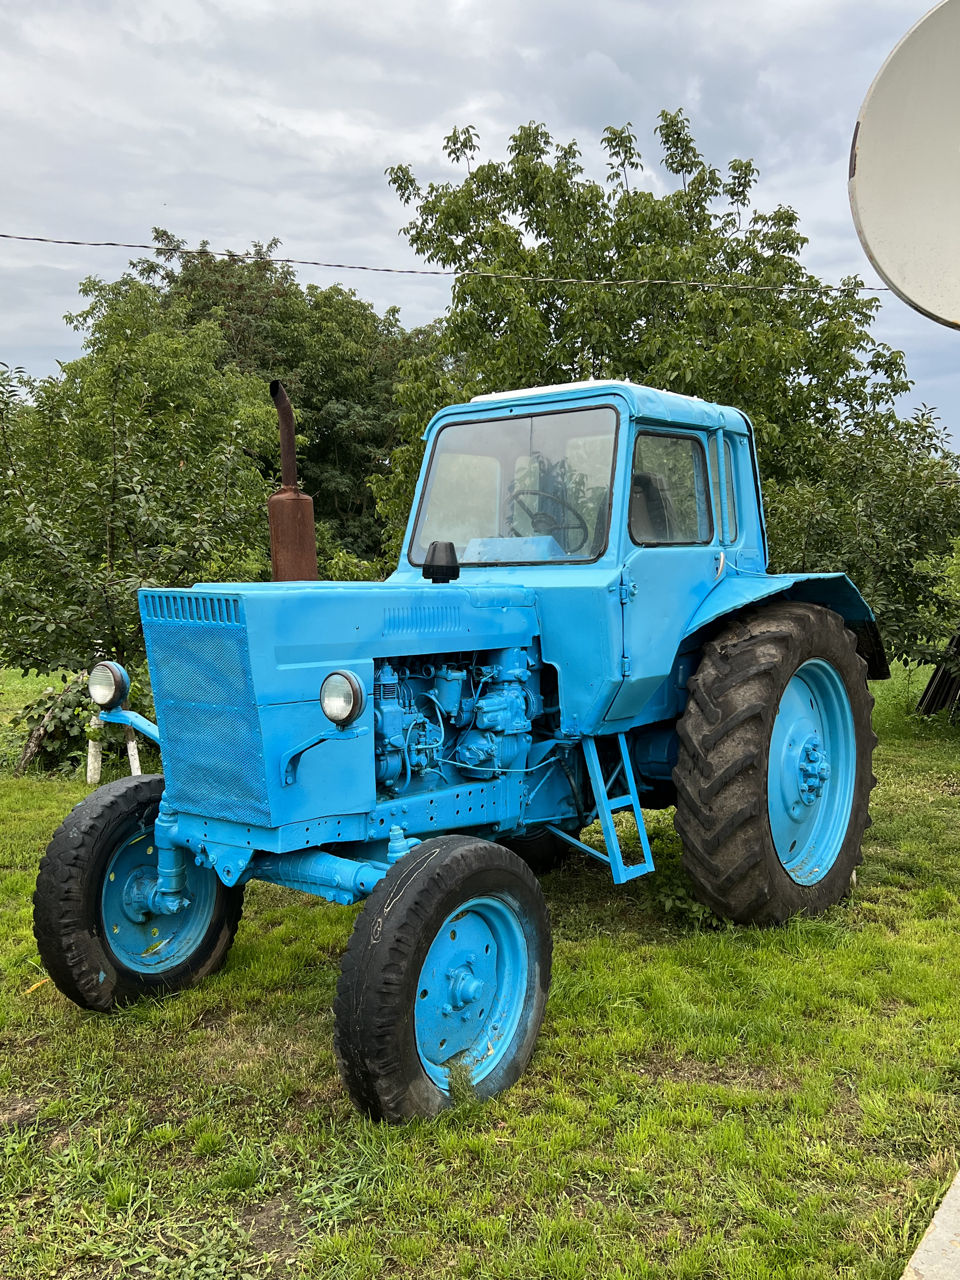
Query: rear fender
(832, 590)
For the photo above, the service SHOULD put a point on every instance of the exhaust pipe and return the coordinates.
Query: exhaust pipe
(293, 535)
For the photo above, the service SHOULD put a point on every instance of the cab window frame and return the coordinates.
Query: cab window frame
(706, 496)
(512, 413)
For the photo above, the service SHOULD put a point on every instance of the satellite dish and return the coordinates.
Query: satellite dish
(905, 167)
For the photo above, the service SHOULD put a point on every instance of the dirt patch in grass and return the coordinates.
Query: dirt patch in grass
(271, 1230)
(728, 1075)
(19, 1113)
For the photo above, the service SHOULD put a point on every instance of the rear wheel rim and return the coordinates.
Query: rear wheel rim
(811, 772)
(140, 940)
(472, 991)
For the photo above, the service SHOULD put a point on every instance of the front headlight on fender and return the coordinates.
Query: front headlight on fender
(341, 697)
(108, 685)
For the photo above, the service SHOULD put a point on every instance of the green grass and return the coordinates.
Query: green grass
(703, 1103)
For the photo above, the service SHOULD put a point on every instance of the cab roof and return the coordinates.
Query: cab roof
(644, 402)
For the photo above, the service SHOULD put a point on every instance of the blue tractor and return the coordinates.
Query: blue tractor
(581, 622)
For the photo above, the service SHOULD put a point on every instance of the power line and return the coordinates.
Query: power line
(452, 272)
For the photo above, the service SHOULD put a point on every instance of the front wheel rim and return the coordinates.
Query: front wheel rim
(811, 772)
(140, 940)
(472, 991)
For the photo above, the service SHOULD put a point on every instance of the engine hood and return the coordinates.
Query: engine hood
(295, 630)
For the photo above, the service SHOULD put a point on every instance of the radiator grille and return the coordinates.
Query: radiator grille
(206, 707)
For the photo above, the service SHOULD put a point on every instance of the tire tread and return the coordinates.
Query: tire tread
(65, 934)
(372, 1004)
(721, 762)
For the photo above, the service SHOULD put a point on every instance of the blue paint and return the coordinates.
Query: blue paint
(314, 871)
(811, 772)
(622, 774)
(472, 990)
(833, 590)
(141, 940)
(135, 721)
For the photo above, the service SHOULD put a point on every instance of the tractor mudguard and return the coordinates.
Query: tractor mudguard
(832, 590)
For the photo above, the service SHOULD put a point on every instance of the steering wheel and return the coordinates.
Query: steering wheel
(542, 522)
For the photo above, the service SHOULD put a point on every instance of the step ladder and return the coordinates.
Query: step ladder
(607, 805)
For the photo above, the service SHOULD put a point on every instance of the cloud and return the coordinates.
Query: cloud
(235, 120)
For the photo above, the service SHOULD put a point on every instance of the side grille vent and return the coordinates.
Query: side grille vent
(423, 618)
(188, 606)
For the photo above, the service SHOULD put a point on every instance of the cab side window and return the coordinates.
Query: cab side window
(731, 491)
(669, 493)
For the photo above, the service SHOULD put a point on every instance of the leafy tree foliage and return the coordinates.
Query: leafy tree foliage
(881, 503)
(148, 460)
(848, 483)
(336, 356)
(130, 469)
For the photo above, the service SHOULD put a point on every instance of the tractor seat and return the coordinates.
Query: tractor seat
(649, 514)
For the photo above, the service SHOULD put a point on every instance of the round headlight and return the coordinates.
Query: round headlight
(341, 697)
(108, 684)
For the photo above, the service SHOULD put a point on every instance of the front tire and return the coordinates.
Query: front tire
(446, 973)
(99, 950)
(773, 773)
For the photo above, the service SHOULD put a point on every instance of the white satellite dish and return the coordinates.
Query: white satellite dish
(905, 167)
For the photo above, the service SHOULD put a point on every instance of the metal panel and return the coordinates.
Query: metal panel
(206, 708)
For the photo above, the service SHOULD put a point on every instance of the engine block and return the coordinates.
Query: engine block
(463, 717)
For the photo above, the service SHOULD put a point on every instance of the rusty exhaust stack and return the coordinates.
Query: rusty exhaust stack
(293, 535)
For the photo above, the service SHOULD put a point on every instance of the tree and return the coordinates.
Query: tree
(336, 356)
(147, 461)
(132, 468)
(701, 295)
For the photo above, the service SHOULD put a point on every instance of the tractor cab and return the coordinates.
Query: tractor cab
(581, 473)
(593, 494)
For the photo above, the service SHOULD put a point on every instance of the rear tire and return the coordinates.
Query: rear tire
(773, 774)
(448, 967)
(541, 850)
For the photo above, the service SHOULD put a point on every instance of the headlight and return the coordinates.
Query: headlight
(341, 697)
(108, 684)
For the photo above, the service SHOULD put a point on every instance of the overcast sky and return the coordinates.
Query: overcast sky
(236, 120)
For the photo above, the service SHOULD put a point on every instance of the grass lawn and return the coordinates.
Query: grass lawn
(702, 1103)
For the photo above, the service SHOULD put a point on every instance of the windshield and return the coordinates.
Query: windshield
(520, 490)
